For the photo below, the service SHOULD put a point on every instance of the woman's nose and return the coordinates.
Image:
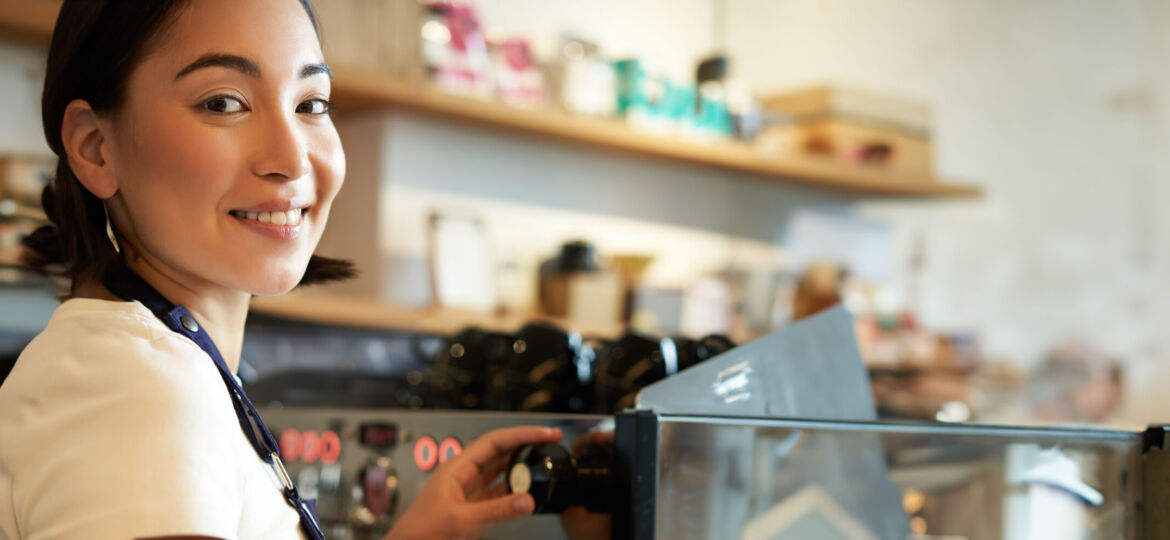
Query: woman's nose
(281, 150)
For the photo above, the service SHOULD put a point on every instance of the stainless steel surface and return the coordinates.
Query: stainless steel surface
(811, 369)
(787, 479)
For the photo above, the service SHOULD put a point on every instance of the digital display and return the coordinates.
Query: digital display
(379, 435)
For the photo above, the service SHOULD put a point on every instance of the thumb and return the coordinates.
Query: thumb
(499, 509)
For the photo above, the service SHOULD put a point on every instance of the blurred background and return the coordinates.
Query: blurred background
(542, 195)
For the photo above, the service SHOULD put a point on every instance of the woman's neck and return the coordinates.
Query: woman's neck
(220, 312)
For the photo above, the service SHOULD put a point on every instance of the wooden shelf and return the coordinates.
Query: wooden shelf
(356, 91)
(357, 312)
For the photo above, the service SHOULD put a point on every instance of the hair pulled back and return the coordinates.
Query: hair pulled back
(96, 45)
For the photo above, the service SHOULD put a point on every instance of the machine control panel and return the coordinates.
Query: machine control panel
(365, 466)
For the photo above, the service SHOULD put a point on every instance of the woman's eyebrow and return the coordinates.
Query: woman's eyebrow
(316, 69)
(247, 67)
(230, 61)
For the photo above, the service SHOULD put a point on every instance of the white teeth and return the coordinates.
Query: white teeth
(291, 217)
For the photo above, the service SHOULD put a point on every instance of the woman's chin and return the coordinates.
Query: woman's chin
(276, 285)
(265, 293)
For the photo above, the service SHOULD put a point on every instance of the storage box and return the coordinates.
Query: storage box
(857, 106)
(585, 297)
(856, 127)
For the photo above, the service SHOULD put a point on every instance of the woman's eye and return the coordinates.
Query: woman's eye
(223, 105)
(315, 106)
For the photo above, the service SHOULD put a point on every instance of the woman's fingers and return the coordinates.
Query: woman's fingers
(498, 491)
(503, 441)
(488, 472)
(480, 456)
(498, 509)
(460, 498)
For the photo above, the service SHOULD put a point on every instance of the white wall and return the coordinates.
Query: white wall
(1059, 109)
(533, 195)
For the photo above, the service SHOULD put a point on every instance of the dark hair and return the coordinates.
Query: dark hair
(96, 44)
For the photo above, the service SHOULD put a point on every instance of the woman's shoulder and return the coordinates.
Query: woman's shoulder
(97, 354)
(106, 336)
(80, 319)
(109, 405)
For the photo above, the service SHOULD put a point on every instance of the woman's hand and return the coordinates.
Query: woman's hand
(462, 496)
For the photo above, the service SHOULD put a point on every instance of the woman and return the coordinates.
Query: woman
(197, 164)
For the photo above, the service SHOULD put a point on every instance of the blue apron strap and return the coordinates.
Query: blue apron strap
(128, 286)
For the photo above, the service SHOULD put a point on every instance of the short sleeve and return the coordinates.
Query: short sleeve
(133, 438)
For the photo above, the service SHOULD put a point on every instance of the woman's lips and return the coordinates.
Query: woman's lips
(276, 225)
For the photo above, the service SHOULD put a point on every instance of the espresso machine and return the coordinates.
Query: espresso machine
(774, 439)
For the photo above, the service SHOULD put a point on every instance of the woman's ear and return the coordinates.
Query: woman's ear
(88, 149)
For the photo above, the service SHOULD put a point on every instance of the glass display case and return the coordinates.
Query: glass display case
(688, 476)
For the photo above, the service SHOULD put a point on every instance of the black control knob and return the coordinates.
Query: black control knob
(557, 480)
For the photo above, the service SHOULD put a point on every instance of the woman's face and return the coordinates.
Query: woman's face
(226, 158)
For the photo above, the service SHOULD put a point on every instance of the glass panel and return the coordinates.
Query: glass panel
(779, 480)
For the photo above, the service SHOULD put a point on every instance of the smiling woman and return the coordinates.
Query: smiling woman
(197, 165)
(93, 61)
(179, 107)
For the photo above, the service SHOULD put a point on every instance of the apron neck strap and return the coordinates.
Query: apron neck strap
(129, 286)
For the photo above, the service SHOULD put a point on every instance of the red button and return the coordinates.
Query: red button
(290, 445)
(330, 447)
(426, 453)
(312, 446)
(449, 449)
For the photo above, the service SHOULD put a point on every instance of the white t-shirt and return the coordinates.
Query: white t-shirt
(113, 426)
